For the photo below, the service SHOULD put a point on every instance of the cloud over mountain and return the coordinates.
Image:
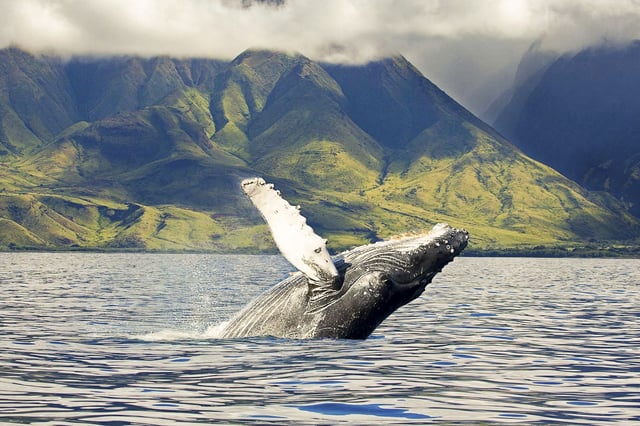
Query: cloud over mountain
(461, 44)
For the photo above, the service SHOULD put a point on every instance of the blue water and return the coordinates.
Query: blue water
(130, 339)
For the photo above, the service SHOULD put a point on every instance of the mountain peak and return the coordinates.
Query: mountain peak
(254, 57)
(399, 62)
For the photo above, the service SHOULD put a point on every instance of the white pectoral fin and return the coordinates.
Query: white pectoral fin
(296, 240)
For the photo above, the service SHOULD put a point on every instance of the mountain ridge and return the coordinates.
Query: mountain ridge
(152, 152)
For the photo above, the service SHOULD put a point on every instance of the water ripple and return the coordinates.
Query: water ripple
(126, 339)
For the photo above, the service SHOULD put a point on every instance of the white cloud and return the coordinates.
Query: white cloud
(460, 44)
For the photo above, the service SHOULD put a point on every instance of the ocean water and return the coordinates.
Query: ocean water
(130, 339)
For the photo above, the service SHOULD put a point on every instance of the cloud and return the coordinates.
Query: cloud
(463, 45)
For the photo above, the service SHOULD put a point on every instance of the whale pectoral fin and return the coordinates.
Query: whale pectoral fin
(296, 240)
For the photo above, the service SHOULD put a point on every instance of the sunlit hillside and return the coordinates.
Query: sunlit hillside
(131, 153)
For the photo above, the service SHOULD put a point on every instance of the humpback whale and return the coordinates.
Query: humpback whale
(344, 297)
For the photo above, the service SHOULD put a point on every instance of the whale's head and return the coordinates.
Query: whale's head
(409, 264)
(379, 278)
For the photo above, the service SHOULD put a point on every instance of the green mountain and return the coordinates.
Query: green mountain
(137, 153)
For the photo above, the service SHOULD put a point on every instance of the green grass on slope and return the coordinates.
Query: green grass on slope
(15, 137)
(233, 140)
(13, 235)
(324, 165)
(51, 227)
(56, 222)
(193, 105)
(503, 199)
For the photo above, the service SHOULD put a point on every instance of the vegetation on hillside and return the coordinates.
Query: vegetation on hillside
(147, 154)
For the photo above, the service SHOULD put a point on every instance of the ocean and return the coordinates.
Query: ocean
(95, 338)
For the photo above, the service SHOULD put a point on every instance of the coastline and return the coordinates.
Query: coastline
(575, 251)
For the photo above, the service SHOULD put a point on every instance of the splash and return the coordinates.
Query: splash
(171, 335)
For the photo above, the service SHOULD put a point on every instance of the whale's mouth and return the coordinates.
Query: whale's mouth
(411, 289)
(420, 280)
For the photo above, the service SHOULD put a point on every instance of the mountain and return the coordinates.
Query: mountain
(148, 153)
(579, 114)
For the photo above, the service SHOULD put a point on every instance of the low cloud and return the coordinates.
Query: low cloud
(465, 46)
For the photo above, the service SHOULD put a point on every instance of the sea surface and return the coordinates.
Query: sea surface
(130, 339)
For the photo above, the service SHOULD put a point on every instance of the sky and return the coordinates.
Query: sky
(469, 48)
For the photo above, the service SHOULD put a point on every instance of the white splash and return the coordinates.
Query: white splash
(171, 335)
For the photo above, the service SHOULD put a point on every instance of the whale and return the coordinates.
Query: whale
(346, 296)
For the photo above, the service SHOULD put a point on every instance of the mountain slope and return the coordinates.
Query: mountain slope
(149, 153)
(304, 135)
(580, 116)
(35, 100)
(450, 166)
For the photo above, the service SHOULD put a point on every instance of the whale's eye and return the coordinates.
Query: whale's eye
(318, 250)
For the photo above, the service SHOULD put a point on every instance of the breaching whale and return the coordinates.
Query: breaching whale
(345, 297)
